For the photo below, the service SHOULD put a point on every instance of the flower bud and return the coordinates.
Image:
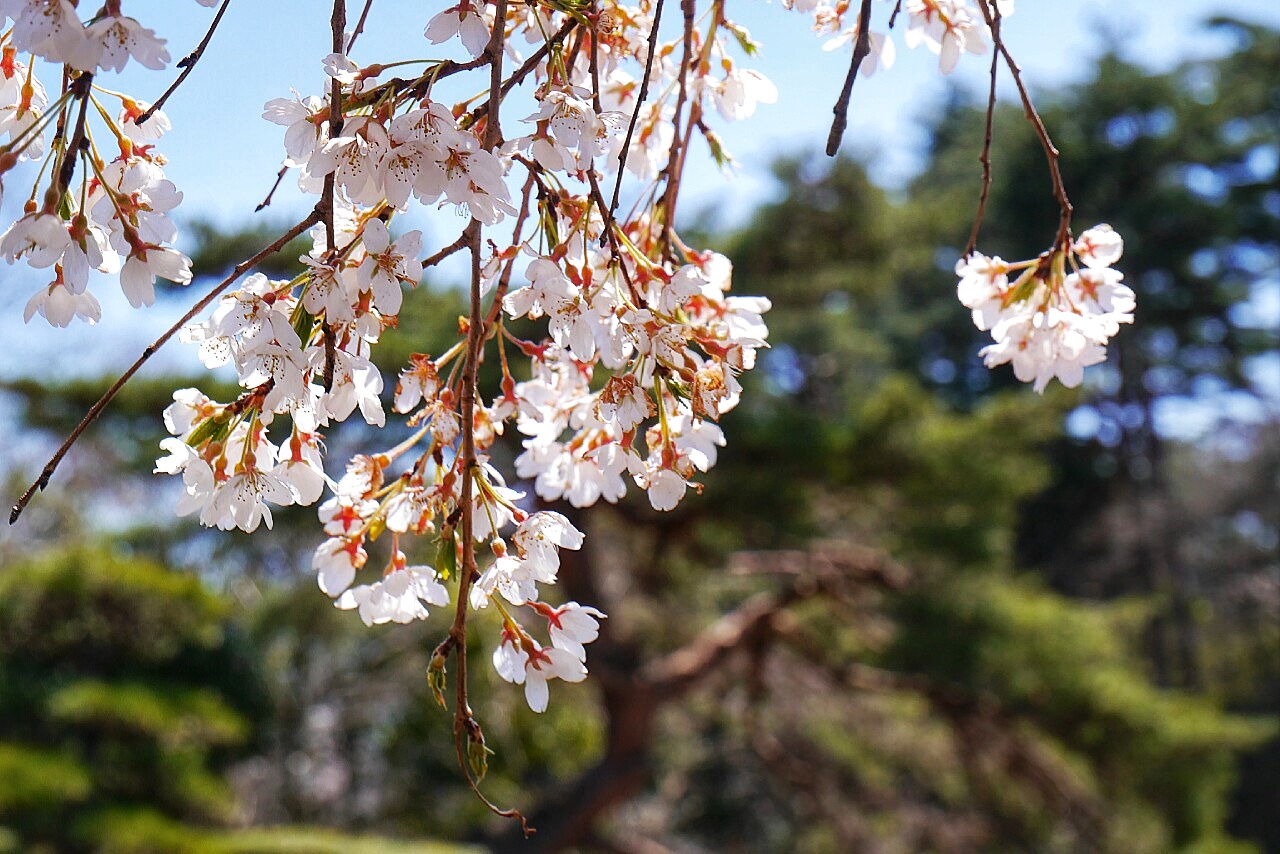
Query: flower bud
(436, 679)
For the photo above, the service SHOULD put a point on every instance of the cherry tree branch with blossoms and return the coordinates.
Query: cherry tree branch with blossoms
(639, 344)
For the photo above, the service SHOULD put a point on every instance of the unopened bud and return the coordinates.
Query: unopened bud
(446, 555)
(477, 753)
(52, 198)
(436, 679)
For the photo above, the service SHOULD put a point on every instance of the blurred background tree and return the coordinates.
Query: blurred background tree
(122, 686)
(914, 609)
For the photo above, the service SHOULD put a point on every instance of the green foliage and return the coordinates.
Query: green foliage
(1164, 757)
(218, 251)
(120, 681)
(287, 840)
(31, 779)
(951, 482)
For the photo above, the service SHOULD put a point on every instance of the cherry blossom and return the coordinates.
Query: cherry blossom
(571, 626)
(526, 662)
(1049, 323)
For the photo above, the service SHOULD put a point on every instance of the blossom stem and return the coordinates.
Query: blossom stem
(985, 157)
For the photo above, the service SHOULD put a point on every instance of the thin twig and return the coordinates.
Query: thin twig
(274, 187)
(187, 64)
(504, 279)
(338, 25)
(861, 49)
(610, 228)
(338, 28)
(635, 114)
(985, 157)
(1050, 150)
(94, 411)
(364, 14)
(594, 61)
(671, 172)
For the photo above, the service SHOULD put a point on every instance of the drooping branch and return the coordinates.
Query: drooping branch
(467, 735)
(355, 34)
(640, 99)
(985, 157)
(1050, 150)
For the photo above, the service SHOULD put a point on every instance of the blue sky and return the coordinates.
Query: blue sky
(225, 157)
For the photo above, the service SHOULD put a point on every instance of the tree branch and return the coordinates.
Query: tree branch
(861, 48)
(640, 98)
(1050, 150)
(364, 14)
(985, 157)
(187, 64)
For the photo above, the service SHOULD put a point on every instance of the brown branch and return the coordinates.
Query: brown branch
(67, 168)
(337, 26)
(677, 672)
(989, 736)
(610, 229)
(1050, 150)
(518, 76)
(829, 565)
(671, 172)
(504, 280)
(594, 61)
(811, 573)
(466, 730)
(364, 15)
(94, 411)
(187, 64)
(436, 257)
(893, 18)
(274, 187)
(985, 157)
(640, 98)
(861, 48)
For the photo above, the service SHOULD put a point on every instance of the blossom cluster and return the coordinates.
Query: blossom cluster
(1049, 322)
(113, 216)
(631, 342)
(620, 346)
